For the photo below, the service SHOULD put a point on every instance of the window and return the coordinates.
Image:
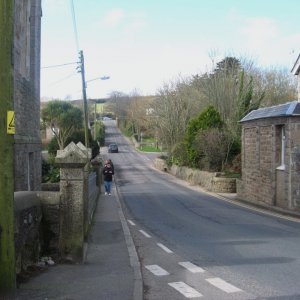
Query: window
(30, 171)
(280, 147)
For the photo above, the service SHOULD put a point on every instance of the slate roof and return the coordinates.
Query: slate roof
(282, 110)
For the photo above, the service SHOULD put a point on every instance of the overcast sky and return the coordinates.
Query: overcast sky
(141, 44)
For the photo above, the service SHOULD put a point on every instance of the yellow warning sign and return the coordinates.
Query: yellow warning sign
(10, 122)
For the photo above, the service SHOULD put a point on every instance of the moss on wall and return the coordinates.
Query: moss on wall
(7, 253)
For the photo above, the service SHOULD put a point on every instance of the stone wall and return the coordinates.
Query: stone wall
(50, 223)
(270, 175)
(28, 216)
(27, 95)
(210, 181)
(36, 227)
(40, 216)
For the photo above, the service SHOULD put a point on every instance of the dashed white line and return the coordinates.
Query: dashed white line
(145, 234)
(191, 267)
(157, 270)
(131, 223)
(166, 249)
(186, 290)
(223, 285)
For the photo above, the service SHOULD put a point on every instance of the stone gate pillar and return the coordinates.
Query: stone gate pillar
(72, 161)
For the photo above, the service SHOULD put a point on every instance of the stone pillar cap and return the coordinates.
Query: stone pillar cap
(75, 155)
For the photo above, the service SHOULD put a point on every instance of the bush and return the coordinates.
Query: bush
(213, 146)
(179, 155)
(50, 173)
(77, 136)
(100, 133)
(53, 146)
(209, 118)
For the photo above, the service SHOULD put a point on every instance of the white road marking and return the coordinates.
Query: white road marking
(145, 234)
(186, 290)
(164, 248)
(131, 223)
(157, 270)
(191, 267)
(223, 285)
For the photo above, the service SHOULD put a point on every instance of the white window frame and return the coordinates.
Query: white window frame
(283, 143)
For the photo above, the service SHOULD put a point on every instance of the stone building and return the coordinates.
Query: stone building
(296, 71)
(271, 157)
(26, 56)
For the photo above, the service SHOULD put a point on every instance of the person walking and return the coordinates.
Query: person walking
(109, 161)
(108, 173)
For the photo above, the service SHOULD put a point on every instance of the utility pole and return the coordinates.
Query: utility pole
(7, 247)
(85, 106)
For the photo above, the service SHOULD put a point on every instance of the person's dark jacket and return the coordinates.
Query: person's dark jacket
(108, 173)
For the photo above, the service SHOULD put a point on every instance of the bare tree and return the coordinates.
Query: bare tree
(117, 104)
(231, 89)
(174, 107)
(279, 85)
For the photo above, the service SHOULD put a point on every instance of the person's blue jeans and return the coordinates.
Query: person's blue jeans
(107, 186)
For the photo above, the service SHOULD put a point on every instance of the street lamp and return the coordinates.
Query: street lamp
(99, 78)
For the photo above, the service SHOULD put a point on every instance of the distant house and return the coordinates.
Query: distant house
(296, 71)
(271, 157)
(26, 54)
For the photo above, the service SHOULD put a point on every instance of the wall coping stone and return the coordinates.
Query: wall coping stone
(49, 198)
(26, 199)
(73, 156)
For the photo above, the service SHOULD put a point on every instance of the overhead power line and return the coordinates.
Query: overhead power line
(63, 79)
(74, 25)
(55, 66)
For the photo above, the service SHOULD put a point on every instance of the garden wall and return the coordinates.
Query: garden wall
(210, 181)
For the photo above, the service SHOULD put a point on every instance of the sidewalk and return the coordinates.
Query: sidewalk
(111, 270)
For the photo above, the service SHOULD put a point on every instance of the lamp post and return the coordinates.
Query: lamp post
(85, 112)
(85, 104)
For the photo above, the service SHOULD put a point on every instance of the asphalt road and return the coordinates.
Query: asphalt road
(242, 253)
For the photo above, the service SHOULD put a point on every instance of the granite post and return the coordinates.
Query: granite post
(73, 197)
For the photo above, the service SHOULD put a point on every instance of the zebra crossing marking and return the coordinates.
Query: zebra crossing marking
(166, 249)
(131, 223)
(223, 285)
(191, 267)
(145, 234)
(157, 270)
(186, 290)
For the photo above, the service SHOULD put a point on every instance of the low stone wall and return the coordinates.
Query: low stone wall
(224, 185)
(43, 219)
(50, 223)
(208, 180)
(160, 164)
(28, 216)
(36, 227)
(37, 224)
(54, 187)
(135, 142)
